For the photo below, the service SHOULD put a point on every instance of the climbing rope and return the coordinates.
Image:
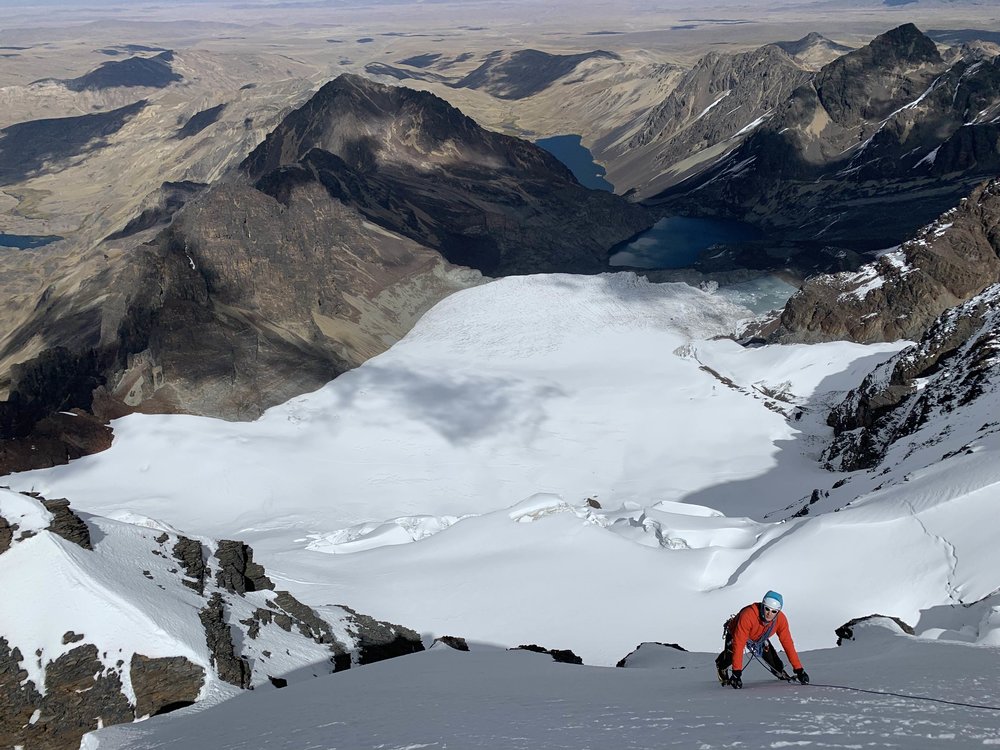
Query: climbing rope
(904, 695)
(876, 692)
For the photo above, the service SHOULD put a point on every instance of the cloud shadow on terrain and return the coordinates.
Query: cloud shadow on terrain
(461, 408)
(26, 147)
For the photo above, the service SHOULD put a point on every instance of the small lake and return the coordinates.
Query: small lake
(569, 149)
(26, 241)
(677, 241)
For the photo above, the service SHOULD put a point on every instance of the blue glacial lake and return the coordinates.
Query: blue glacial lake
(569, 149)
(677, 241)
(26, 241)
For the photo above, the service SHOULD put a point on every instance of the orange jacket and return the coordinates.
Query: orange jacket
(749, 626)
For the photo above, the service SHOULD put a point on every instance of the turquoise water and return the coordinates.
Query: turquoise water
(759, 295)
(569, 149)
(677, 241)
(26, 241)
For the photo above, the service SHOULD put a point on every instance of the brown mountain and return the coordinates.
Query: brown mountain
(337, 233)
(414, 164)
(898, 295)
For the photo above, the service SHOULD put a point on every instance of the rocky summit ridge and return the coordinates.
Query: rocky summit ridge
(946, 385)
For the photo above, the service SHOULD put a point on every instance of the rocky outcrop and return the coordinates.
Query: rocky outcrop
(80, 696)
(237, 572)
(252, 635)
(846, 631)
(563, 656)
(159, 207)
(53, 440)
(624, 661)
(190, 554)
(380, 640)
(230, 666)
(453, 641)
(878, 143)
(66, 523)
(949, 371)
(6, 534)
(903, 291)
(165, 684)
(18, 696)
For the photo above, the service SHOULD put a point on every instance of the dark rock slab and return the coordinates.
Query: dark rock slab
(623, 662)
(165, 684)
(310, 624)
(6, 534)
(563, 656)
(66, 523)
(238, 573)
(191, 555)
(231, 666)
(452, 641)
(56, 439)
(846, 631)
(377, 640)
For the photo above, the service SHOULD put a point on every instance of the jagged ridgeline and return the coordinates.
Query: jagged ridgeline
(92, 641)
(871, 147)
(362, 209)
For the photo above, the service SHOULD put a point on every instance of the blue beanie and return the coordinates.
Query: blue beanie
(773, 600)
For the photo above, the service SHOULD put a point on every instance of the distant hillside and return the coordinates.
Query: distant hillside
(522, 73)
(152, 72)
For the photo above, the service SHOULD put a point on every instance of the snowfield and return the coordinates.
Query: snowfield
(585, 463)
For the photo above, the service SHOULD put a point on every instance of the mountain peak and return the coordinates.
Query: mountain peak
(904, 43)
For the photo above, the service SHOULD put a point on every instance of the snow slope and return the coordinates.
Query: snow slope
(483, 434)
(664, 698)
(582, 462)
